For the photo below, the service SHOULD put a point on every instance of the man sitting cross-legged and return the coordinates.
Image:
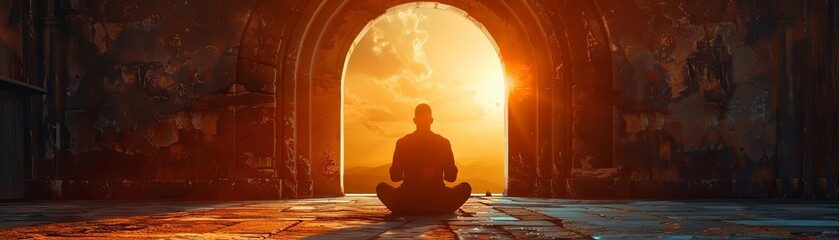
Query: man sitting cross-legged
(422, 160)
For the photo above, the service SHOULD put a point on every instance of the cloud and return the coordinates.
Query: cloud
(389, 74)
(390, 62)
(362, 110)
(374, 127)
(368, 113)
(405, 45)
(379, 45)
(417, 38)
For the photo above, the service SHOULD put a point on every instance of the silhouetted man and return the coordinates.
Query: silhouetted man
(422, 160)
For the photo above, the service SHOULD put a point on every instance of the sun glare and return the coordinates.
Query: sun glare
(424, 55)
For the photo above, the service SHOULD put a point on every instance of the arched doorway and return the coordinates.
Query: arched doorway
(327, 39)
(557, 60)
(424, 53)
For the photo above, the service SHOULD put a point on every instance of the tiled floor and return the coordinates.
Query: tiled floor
(365, 217)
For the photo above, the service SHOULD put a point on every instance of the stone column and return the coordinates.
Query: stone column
(788, 168)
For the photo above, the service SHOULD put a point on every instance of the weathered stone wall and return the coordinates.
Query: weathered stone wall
(695, 96)
(699, 109)
(11, 39)
(150, 91)
(151, 96)
(266, 45)
(662, 99)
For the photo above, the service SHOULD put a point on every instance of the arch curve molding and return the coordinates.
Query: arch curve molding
(556, 56)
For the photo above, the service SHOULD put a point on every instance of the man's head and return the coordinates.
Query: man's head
(422, 116)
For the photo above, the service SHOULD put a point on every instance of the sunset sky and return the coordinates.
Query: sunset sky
(432, 56)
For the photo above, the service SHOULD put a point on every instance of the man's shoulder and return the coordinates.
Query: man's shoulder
(406, 138)
(413, 136)
(441, 138)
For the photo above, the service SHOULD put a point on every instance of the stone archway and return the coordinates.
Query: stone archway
(557, 57)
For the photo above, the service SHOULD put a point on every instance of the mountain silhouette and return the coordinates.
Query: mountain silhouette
(482, 175)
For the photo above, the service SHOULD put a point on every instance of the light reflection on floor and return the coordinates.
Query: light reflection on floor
(363, 217)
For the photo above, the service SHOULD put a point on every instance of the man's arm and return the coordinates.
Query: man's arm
(397, 169)
(450, 170)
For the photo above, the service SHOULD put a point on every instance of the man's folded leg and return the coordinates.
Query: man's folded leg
(423, 201)
(457, 196)
(389, 197)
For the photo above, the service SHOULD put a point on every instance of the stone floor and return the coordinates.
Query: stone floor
(365, 218)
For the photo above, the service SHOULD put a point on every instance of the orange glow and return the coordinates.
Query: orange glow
(433, 56)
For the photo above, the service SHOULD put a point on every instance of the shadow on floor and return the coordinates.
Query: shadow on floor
(393, 226)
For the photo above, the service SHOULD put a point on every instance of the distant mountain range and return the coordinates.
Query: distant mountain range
(477, 171)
